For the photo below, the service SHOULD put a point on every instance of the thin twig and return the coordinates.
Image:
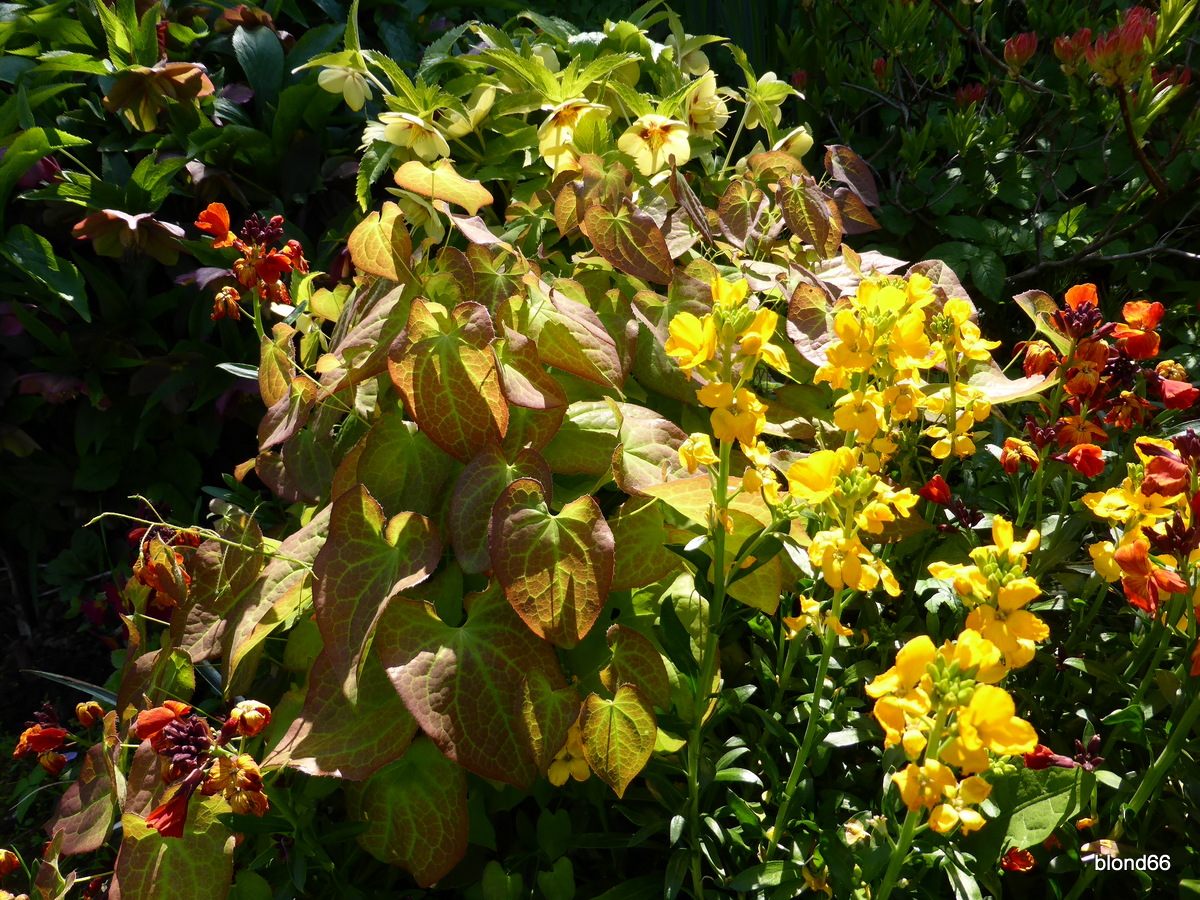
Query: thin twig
(1136, 145)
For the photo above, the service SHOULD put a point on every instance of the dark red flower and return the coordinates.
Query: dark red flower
(936, 491)
(1017, 861)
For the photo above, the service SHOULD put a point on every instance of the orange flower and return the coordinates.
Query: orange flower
(215, 221)
(1139, 339)
(1040, 359)
(150, 722)
(1178, 394)
(1084, 377)
(39, 739)
(1086, 459)
(1075, 430)
(169, 818)
(1017, 861)
(1126, 410)
(1082, 295)
(1142, 579)
(1015, 452)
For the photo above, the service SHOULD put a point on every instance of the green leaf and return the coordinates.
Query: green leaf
(197, 866)
(479, 487)
(260, 54)
(648, 453)
(770, 874)
(568, 333)
(546, 714)
(555, 569)
(618, 735)
(401, 467)
(639, 545)
(416, 810)
(450, 379)
(464, 685)
(367, 560)
(32, 254)
(630, 241)
(442, 182)
(636, 661)
(332, 737)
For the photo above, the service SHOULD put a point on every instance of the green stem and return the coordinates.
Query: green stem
(707, 668)
(899, 853)
(1149, 787)
(737, 134)
(829, 639)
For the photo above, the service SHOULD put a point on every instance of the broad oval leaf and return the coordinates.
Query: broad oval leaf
(636, 661)
(442, 182)
(555, 569)
(812, 217)
(380, 244)
(630, 241)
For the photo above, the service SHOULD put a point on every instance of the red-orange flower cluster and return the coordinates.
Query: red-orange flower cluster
(262, 267)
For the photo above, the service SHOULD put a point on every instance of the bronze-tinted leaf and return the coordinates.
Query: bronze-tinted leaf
(380, 244)
(636, 661)
(555, 568)
(630, 241)
(848, 167)
(618, 735)
(856, 218)
(812, 216)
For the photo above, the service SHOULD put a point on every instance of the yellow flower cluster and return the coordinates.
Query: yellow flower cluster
(812, 617)
(853, 499)
(943, 707)
(724, 347)
(885, 343)
(997, 589)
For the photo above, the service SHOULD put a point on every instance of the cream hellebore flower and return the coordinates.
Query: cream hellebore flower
(796, 142)
(770, 96)
(350, 83)
(407, 130)
(706, 109)
(478, 106)
(652, 140)
(694, 62)
(546, 54)
(556, 133)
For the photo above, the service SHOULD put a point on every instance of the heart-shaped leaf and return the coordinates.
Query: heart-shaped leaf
(636, 661)
(380, 244)
(441, 182)
(366, 560)
(461, 683)
(812, 217)
(630, 241)
(555, 569)
(618, 735)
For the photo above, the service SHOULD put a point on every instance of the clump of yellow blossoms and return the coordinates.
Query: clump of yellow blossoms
(997, 590)
(724, 347)
(835, 484)
(569, 762)
(886, 342)
(943, 707)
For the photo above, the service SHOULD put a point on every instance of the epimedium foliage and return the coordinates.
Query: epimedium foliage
(613, 458)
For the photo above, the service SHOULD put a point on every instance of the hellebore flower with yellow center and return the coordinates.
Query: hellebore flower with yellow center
(413, 132)
(697, 451)
(706, 109)
(652, 140)
(558, 131)
(350, 83)
(956, 810)
(693, 341)
(756, 340)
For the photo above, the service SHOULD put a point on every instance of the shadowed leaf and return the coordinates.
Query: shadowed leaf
(846, 166)
(811, 216)
(636, 661)
(197, 866)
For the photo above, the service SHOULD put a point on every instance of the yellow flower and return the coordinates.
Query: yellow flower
(693, 341)
(569, 761)
(924, 786)
(810, 611)
(1016, 633)
(990, 722)
(736, 415)
(478, 106)
(975, 656)
(908, 347)
(1008, 549)
(730, 294)
(957, 810)
(962, 444)
(859, 412)
(756, 340)
(796, 142)
(813, 479)
(1104, 561)
(558, 131)
(967, 339)
(652, 140)
(407, 130)
(697, 451)
(911, 663)
(706, 109)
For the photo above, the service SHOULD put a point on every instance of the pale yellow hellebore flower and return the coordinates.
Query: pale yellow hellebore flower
(706, 109)
(796, 142)
(350, 83)
(478, 106)
(414, 133)
(652, 140)
(556, 133)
